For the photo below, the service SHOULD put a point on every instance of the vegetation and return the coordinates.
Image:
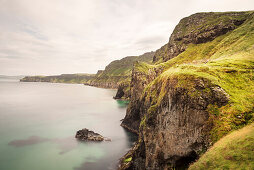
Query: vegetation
(234, 151)
(128, 159)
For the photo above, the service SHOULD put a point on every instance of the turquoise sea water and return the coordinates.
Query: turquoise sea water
(38, 122)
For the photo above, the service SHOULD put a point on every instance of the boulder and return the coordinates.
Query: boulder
(87, 135)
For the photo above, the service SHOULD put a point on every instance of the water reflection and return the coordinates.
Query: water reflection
(122, 103)
(32, 140)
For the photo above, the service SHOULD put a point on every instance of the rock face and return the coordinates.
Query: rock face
(87, 135)
(123, 91)
(103, 84)
(173, 133)
(198, 28)
(138, 82)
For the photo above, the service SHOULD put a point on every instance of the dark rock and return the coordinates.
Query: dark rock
(87, 135)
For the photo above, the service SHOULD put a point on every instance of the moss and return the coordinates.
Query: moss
(143, 122)
(128, 159)
(213, 109)
(142, 67)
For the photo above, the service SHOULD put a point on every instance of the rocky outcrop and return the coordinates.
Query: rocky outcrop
(87, 135)
(174, 131)
(103, 84)
(140, 79)
(198, 28)
(123, 91)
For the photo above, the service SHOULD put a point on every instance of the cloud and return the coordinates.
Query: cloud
(66, 36)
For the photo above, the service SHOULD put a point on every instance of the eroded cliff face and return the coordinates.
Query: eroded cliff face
(175, 129)
(140, 79)
(109, 82)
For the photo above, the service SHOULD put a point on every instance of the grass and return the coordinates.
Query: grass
(234, 151)
(128, 159)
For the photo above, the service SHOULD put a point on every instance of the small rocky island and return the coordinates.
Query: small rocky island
(87, 135)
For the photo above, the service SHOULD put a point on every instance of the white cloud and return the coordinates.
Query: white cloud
(67, 36)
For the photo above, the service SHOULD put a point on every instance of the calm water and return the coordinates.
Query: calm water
(38, 122)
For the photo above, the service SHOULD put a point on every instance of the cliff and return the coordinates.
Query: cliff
(63, 78)
(119, 72)
(199, 88)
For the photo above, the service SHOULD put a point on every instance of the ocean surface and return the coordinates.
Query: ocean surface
(38, 122)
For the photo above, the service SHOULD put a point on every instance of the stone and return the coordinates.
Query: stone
(87, 135)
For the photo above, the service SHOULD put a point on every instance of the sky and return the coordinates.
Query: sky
(49, 37)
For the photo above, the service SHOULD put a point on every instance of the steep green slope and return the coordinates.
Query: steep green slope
(234, 151)
(63, 78)
(203, 90)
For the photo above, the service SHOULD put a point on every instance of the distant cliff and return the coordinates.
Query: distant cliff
(63, 78)
(118, 72)
(198, 89)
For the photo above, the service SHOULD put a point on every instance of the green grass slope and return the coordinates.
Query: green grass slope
(234, 151)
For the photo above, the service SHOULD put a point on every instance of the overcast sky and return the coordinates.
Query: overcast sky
(49, 37)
